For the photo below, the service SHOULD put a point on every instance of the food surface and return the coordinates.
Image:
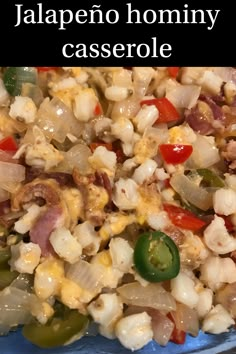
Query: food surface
(117, 203)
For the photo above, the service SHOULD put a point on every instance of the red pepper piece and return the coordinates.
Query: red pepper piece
(94, 145)
(167, 111)
(46, 68)
(178, 336)
(183, 218)
(175, 153)
(98, 110)
(8, 144)
(173, 71)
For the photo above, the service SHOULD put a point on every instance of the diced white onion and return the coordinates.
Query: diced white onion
(205, 153)
(166, 84)
(192, 75)
(102, 126)
(226, 297)
(11, 172)
(52, 119)
(211, 82)
(191, 192)
(10, 187)
(186, 319)
(4, 195)
(23, 282)
(126, 108)
(86, 275)
(224, 72)
(142, 77)
(14, 307)
(158, 134)
(162, 327)
(184, 96)
(152, 295)
(77, 157)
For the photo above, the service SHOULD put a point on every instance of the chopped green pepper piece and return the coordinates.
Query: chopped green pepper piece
(6, 277)
(156, 257)
(3, 231)
(197, 211)
(33, 91)
(57, 332)
(14, 77)
(5, 255)
(210, 178)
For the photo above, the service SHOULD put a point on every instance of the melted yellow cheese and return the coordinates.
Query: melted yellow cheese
(74, 204)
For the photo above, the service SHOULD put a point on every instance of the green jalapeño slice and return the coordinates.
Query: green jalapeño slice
(58, 332)
(156, 257)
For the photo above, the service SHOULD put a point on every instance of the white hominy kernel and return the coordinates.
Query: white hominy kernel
(218, 320)
(126, 195)
(182, 288)
(116, 93)
(106, 309)
(134, 331)
(224, 201)
(25, 257)
(121, 254)
(146, 117)
(65, 245)
(23, 109)
(144, 171)
(217, 238)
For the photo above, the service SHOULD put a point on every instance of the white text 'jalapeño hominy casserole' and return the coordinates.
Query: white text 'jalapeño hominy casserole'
(117, 203)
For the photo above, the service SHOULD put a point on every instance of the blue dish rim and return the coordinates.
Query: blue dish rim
(15, 343)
